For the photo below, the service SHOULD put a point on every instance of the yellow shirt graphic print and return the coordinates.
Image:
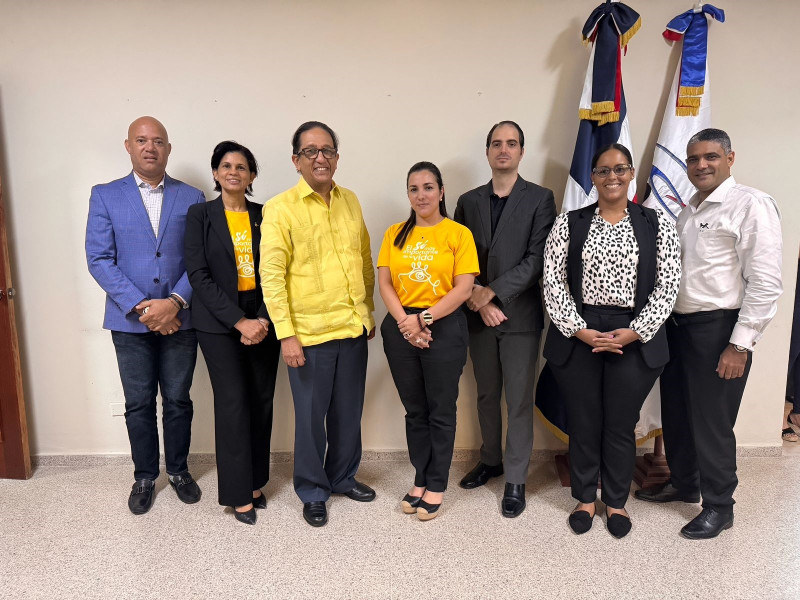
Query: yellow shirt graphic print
(241, 236)
(421, 255)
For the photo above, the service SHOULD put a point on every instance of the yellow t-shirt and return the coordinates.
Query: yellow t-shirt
(239, 226)
(424, 269)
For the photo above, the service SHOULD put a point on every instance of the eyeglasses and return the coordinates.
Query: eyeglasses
(311, 153)
(619, 171)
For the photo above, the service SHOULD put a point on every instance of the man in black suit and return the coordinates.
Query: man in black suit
(509, 219)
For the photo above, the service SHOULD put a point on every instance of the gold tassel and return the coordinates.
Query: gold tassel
(688, 101)
(602, 107)
(691, 91)
(626, 37)
(687, 111)
(611, 117)
(584, 114)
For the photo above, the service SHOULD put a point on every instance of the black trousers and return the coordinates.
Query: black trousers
(427, 382)
(604, 393)
(699, 408)
(328, 392)
(243, 381)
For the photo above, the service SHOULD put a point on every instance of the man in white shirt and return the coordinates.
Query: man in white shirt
(731, 280)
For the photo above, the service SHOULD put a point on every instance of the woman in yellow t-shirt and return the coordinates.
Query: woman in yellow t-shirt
(426, 269)
(240, 348)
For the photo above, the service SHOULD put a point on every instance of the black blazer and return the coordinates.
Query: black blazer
(211, 266)
(511, 261)
(655, 353)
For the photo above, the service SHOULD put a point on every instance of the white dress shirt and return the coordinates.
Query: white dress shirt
(731, 255)
(153, 198)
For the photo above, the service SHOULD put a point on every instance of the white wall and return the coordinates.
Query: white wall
(400, 83)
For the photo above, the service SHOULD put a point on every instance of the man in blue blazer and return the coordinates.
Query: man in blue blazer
(134, 248)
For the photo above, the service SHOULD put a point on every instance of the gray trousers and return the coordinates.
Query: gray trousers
(505, 360)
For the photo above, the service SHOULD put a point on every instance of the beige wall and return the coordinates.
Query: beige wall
(422, 81)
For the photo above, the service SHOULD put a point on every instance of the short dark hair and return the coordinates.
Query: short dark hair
(608, 147)
(513, 124)
(308, 125)
(230, 146)
(712, 135)
(408, 226)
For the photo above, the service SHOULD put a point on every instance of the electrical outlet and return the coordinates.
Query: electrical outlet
(117, 409)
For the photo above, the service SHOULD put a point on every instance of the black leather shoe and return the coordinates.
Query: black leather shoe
(427, 511)
(247, 517)
(187, 489)
(580, 521)
(618, 524)
(480, 475)
(315, 513)
(410, 503)
(142, 494)
(361, 492)
(666, 492)
(513, 500)
(708, 524)
(260, 502)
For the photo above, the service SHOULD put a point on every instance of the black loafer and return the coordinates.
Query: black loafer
(580, 521)
(480, 475)
(410, 503)
(427, 511)
(361, 492)
(708, 524)
(618, 524)
(247, 517)
(260, 502)
(142, 494)
(513, 500)
(666, 492)
(187, 489)
(315, 513)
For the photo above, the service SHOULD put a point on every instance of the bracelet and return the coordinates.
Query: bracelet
(421, 324)
(175, 300)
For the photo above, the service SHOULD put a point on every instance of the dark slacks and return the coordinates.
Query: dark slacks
(699, 409)
(146, 362)
(328, 393)
(505, 360)
(243, 381)
(604, 393)
(427, 382)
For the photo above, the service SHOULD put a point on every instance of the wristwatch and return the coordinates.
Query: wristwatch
(426, 316)
(740, 348)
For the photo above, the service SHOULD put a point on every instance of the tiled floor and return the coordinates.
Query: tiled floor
(67, 533)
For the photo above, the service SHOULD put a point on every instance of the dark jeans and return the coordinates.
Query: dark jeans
(328, 394)
(427, 382)
(147, 361)
(604, 393)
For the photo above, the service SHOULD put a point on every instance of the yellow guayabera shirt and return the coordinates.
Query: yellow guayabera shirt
(316, 265)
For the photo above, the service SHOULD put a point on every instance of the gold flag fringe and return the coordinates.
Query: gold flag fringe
(611, 117)
(602, 107)
(688, 101)
(687, 111)
(626, 37)
(584, 114)
(691, 91)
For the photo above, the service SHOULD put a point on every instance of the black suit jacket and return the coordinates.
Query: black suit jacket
(512, 260)
(211, 266)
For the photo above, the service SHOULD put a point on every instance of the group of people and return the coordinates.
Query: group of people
(629, 297)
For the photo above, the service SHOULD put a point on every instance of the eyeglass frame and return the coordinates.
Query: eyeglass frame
(625, 167)
(324, 150)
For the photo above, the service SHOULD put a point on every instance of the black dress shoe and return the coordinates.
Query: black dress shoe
(142, 494)
(580, 521)
(260, 502)
(410, 503)
(187, 489)
(513, 500)
(361, 492)
(618, 524)
(427, 511)
(480, 475)
(315, 513)
(708, 524)
(247, 517)
(666, 492)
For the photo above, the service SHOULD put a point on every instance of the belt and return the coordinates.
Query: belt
(705, 316)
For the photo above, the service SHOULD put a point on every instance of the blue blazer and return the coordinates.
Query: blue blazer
(127, 259)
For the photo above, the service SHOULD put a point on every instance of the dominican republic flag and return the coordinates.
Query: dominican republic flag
(603, 113)
(687, 112)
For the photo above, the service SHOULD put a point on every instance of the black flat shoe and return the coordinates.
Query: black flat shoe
(580, 521)
(247, 517)
(260, 502)
(315, 513)
(142, 494)
(410, 503)
(427, 511)
(618, 525)
(513, 500)
(480, 475)
(361, 492)
(708, 524)
(187, 489)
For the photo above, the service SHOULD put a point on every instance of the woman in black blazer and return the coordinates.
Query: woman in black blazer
(233, 328)
(611, 276)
